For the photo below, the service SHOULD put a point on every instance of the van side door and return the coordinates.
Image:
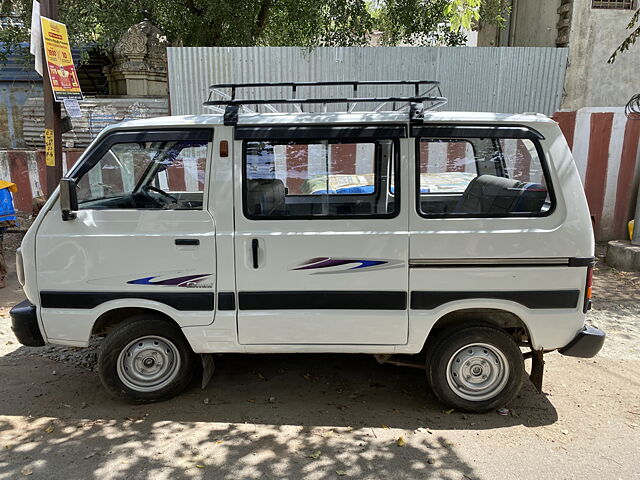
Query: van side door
(142, 237)
(321, 235)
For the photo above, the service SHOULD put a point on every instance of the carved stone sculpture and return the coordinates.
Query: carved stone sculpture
(140, 62)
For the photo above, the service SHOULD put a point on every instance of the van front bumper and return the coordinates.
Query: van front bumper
(586, 344)
(24, 323)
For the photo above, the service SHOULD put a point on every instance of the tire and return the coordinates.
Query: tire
(475, 369)
(145, 359)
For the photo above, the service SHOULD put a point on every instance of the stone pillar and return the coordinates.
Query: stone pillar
(140, 63)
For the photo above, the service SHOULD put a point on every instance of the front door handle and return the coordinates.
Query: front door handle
(187, 241)
(254, 252)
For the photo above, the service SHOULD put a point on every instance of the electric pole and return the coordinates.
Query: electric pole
(52, 112)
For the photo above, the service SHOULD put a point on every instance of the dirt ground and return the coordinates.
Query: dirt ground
(324, 416)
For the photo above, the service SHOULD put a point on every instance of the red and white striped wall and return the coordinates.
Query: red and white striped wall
(605, 145)
(27, 170)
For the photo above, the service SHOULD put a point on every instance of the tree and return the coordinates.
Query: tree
(631, 39)
(306, 23)
(632, 109)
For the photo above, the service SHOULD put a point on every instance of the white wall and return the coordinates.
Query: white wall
(590, 81)
(532, 24)
(535, 23)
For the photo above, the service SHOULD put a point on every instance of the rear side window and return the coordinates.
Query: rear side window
(482, 177)
(319, 179)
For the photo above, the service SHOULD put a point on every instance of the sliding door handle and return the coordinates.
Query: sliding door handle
(254, 252)
(187, 241)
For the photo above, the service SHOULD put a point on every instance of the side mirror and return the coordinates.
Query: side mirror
(68, 198)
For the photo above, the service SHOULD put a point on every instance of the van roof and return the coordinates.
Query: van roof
(332, 118)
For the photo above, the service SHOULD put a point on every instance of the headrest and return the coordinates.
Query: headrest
(491, 194)
(265, 196)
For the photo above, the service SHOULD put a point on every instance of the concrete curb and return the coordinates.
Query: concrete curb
(623, 256)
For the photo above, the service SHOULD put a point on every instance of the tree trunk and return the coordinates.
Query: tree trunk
(261, 19)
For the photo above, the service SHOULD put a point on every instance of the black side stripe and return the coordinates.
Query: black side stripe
(582, 261)
(322, 300)
(487, 265)
(312, 300)
(542, 299)
(500, 263)
(226, 301)
(200, 301)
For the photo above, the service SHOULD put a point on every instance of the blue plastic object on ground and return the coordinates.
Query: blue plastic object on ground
(7, 212)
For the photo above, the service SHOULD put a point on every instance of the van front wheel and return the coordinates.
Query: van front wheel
(476, 369)
(145, 359)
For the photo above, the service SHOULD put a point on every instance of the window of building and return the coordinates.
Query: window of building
(319, 179)
(613, 4)
(481, 177)
(163, 174)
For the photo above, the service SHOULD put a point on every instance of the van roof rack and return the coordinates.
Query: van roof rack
(426, 96)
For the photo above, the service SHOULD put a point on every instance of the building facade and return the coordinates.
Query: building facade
(592, 29)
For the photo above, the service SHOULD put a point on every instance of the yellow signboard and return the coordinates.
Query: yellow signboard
(49, 149)
(62, 73)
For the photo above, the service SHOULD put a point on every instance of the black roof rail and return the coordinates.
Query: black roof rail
(426, 95)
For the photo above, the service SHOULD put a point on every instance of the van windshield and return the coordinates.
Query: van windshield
(155, 175)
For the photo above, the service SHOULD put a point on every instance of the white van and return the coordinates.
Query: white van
(460, 236)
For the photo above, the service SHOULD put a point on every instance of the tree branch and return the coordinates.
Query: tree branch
(261, 19)
(630, 40)
(6, 6)
(191, 6)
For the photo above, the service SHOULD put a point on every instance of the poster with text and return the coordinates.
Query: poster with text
(62, 73)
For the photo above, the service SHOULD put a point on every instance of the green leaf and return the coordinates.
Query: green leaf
(305, 23)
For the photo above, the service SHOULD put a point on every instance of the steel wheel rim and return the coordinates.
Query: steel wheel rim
(148, 364)
(477, 372)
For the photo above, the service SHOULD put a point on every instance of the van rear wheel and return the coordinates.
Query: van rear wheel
(475, 369)
(145, 359)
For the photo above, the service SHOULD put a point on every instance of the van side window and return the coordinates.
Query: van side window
(319, 178)
(165, 175)
(483, 177)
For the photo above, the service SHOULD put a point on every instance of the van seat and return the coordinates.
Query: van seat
(489, 194)
(265, 196)
(531, 199)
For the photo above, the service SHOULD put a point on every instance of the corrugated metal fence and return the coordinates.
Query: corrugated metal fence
(97, 113)
(510, 80)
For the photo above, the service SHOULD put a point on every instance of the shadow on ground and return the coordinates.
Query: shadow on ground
(262, 416)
